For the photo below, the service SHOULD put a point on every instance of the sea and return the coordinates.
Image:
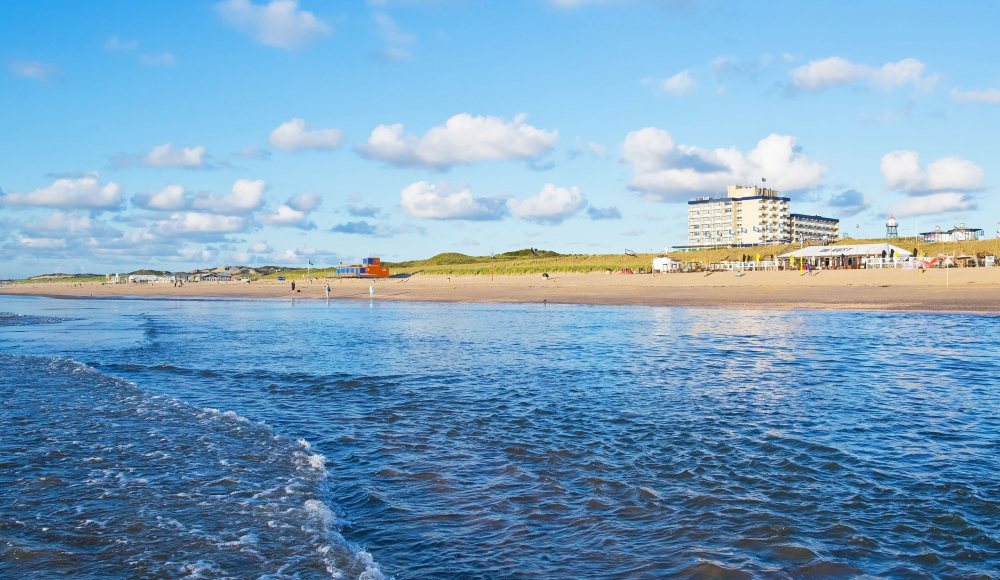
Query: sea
(367, 439)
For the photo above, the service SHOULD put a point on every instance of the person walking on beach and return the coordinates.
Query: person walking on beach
(293, 285)
(327, 290)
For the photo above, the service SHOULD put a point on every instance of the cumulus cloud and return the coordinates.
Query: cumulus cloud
(666, 171)
(167, 155)
(83, 192)
(678, 85)
(170, 198)
(360, 227)
(305, 201)
(279, 23)
(245, 196)
(201, 223)
(934, 203)
(463, 139)
(428, 200)
(33, 69)
(604, 213)
(295, 136)
(988, 96)
(849, 202)
(551, 205)
(31, 243)
(286, 216)
(818, 75)
(902, 172)
(67, 225)
(368, 211)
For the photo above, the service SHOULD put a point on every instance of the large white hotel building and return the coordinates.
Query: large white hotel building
(753, 216)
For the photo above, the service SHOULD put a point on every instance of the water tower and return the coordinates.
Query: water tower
(892, 228)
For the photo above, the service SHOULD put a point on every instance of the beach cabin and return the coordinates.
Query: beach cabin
(665, 264)
(143, 278)
(217, 277)
(369, 268)
(849, 256)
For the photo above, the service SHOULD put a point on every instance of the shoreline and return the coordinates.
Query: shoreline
(968, 290)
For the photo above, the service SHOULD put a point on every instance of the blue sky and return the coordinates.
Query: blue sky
(194, 134)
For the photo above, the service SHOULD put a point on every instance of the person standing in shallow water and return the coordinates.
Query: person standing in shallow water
(327, 290)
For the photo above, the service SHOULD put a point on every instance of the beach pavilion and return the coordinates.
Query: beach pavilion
(847, 255)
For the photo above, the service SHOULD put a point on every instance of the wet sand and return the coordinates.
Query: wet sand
(961, 289)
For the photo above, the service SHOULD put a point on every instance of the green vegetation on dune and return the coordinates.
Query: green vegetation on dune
(520, 262)
(534, 261)
(62, 278)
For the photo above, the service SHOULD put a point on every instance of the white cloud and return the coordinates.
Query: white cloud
(33, 69)
(285, 216)
(550, 205)
(463, 139)
(294, 136)
(42, 243)
(115, 44)
(254, 152)
(679, 85)
(259, 248)
(170, 198)
(988, 96)
(279, 23)
(201, 223)
(834, 71)
(158, 59)
(84, 192)
(305, 201)
(933, 204)
(667, 171)
(67, 224)
(581, 147)
(167, 155)
(902, 172)
(245, 196)
(398, 43)
(428, 200)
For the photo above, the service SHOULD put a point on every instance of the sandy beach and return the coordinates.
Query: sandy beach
(960, 289)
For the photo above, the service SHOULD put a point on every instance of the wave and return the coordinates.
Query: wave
(150, 485)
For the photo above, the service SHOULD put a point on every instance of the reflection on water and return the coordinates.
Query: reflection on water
(519, 440)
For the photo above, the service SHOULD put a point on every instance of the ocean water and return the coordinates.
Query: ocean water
(279, 439)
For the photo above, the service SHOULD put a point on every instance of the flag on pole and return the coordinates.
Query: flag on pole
(310, 262)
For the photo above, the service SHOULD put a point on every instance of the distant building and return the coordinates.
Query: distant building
(959, 234)
(753, 216)
(844, 256)
(144, 279)
(747, 216)
(217, 277)
(665, 264)
(813, 227)
(892, 228)
(369, 268)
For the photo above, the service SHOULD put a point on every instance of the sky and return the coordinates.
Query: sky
(182, 135)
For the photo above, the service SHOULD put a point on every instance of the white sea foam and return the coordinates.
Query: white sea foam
(318, 462)
(319, 512)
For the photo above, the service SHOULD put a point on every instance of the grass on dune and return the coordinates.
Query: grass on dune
(530, 261)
